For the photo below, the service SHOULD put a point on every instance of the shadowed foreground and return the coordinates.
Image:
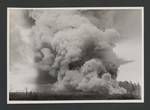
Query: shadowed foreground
(41, 96)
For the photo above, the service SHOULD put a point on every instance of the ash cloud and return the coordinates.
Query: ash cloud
(73, 50)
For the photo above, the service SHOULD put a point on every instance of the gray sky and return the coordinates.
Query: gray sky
(130, 26)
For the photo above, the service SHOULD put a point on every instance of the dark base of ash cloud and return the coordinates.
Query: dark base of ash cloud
(73, 51)
(133, 92)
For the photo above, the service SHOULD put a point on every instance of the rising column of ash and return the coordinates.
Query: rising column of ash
(74, 48)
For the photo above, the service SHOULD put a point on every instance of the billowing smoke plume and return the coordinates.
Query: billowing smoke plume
(73, 50)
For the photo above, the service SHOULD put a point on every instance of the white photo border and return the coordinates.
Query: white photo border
(77, 101)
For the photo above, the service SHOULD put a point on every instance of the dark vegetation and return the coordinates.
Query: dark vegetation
(133, 92)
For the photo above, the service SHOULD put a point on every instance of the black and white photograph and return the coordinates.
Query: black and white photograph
(75, 55)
